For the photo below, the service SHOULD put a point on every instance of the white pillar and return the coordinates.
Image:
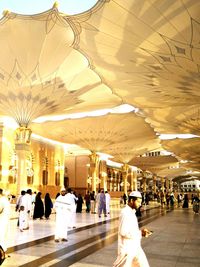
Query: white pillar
(104, 177)
(125, 168)
(154, 183)
(163, 184)
(133, 180)
(94, 161)
(144, 184)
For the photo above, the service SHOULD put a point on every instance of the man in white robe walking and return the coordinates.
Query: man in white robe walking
(130, 252)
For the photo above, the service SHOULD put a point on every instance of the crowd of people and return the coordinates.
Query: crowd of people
(31, 205)
(96, 203)
(182, 200)
(67, 203)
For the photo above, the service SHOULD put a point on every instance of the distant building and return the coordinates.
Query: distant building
(190, 186)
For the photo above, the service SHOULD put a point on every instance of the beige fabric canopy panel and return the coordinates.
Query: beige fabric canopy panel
(141, 53)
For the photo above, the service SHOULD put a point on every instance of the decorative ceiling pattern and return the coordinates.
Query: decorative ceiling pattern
(154, 164)
(120, 135)
(40, 71)
(153, 65)
(136, 52)
(185, 149)
(148, 53)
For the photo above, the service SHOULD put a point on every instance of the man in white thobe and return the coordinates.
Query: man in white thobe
(4, 219)
(130, 252)
(63, 210)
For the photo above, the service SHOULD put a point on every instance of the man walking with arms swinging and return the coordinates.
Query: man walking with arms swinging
(130, 252)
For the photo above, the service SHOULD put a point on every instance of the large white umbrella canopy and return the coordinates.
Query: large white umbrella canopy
(41, 72)
(103, 134)
(148, 52)
(187, 149)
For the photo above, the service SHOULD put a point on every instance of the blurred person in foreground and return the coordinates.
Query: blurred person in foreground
(130, 252)
(4, 219)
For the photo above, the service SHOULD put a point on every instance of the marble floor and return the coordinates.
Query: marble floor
(175, 241)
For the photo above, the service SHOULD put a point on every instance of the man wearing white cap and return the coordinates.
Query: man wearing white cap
(130, 252)
(63, 214)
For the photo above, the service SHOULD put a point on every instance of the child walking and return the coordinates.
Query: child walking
(22, 219)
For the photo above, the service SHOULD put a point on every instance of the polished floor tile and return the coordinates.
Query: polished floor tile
(175, 241)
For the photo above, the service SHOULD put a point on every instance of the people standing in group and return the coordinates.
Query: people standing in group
(87, 201)
(4, 219)
(130, 252)
(79, 204)
(102, 204)
(48, 204)
(107, 195)
(92, 202)
(27, 203)
(63, 213)
(39, 207)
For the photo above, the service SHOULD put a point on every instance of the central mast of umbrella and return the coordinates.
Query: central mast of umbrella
(94, 167)
(29, 87)
(125, 168)
(22, 147)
